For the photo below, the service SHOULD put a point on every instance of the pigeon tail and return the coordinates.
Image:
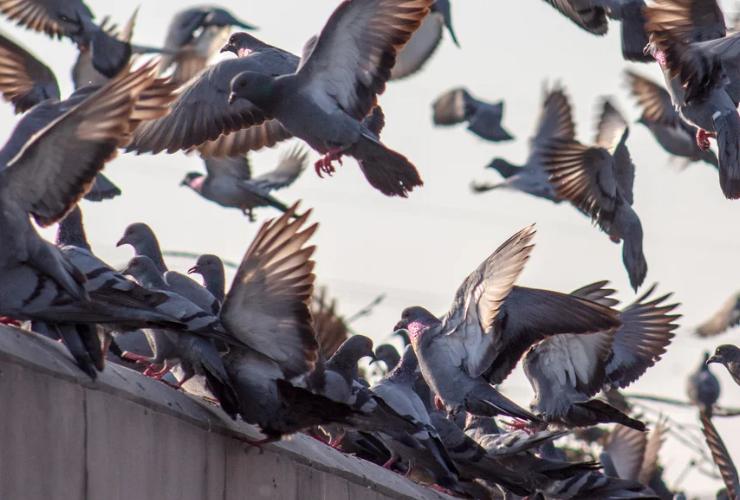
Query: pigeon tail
(598, 411)
(78, 349)
(727, 126)
(109, 55)
(387, 171)
(485, 401)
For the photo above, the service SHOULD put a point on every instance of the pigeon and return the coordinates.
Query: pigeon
(144, 242)
(229, 181)
(593, 16)
(689, 40)
(425, 40)
(425, 449)
(336, 378)
(566, 371)
(389, 355)
(703, 387)
(554, 122)
(74, 20)
(727, 317)
(202, 116)
(336, 87)
(728, 355)
(721, 456)
(211, 268)
(484, 119)
(490, 325)
(194, 35)
(330, 328)
(37, 179)
(598, 180)
(660, 117)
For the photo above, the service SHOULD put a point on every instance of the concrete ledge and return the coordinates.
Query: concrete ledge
(63, 436)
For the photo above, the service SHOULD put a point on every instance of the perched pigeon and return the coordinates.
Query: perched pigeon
(194, 35)
(555, 122)
(566, 371)
(336, 87)
(211, 268)
(727, 317)
(660, 117)
(728, 355)
(424, 41)
(598, 181)
(389, 355)
(703, 387)
(202, 116)
(229, 181)
(593, 16)
(689, 40)
(37, 178)
(74, 20)
(490, 325)
(484, 119)
(721, 456)
(336, 379)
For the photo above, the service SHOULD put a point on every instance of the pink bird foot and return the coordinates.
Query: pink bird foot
(4, 320)
(324, 164)
(517, 424)
(702, 138)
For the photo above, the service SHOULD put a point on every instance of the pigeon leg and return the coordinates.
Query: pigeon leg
(391, 462)
(324, 164)
(166, 367)
(4, 320)
(519, 424)
(137, 358)
(702, 138)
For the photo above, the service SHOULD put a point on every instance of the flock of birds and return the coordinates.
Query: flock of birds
(270, 349)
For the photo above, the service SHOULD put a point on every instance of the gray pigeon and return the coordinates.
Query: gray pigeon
(728, 316)
(598, 181)
(484, 118)
(660, 117)
(425, 40)
(202, 116)
(389, 355)
(194, 35)
(74, 20)
(728, 355)
(633, 454)
(211, 268)
(566, 371)
(700, 64)
(703, 388)
(555, 122)
(721, 456)
(336, 86)
(338, 378)
(425, 450)
(490, 325)
(25, 82)
(593, 16)
(229, 181)
(38, 179)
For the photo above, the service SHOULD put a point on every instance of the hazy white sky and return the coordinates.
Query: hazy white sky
(418, 250)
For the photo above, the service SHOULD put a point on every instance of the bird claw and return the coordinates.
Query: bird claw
(517, 424)
(324, 165)
(4, 320)
(702, 139)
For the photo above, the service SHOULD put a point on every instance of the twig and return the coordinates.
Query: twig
(190, 255)
(717, 411)
(365, 311)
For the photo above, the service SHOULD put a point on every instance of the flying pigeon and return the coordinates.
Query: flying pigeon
(490, 325)
(484, 119)
(229, 181)
(194, 35)
(555, 122)
(593, 16)
(727, 317)
(728, 355)
(425, 41)
(721, 456)
(689, 40)
(703, 388)
(598, 180)
(331, 329)
(211, 268)
(336, 86)
(202, 116)
(74, 20)
(675, 135)
(566, 371)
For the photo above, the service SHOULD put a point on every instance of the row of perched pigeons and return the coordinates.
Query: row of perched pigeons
(270, 349)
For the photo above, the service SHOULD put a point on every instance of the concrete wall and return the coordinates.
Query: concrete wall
(63, 436)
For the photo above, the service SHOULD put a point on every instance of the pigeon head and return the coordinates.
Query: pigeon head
(724, 354)
(143, 270)
(222, 17)
(388, 355)
(241, 44)
(194, 180)
(254, 87)
(416, 320)
(352, 350)
(138, 235)
(206, 264)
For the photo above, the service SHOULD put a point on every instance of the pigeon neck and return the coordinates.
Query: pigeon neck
(215, 282)
(150, 248)
(406, 369)
(71, 230)
(416, 329)
(150, 278)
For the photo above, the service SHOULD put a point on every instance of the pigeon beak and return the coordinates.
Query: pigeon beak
(373, 358)
(193, 270)
(229, 47)
(233, 97)
(184, 182)
(401, 325)
(121, 242)
(714, 359)
(244, 25)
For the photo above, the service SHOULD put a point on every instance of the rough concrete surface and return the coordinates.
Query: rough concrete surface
(64, 436)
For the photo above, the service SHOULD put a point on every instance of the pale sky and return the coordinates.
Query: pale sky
(418, 250)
